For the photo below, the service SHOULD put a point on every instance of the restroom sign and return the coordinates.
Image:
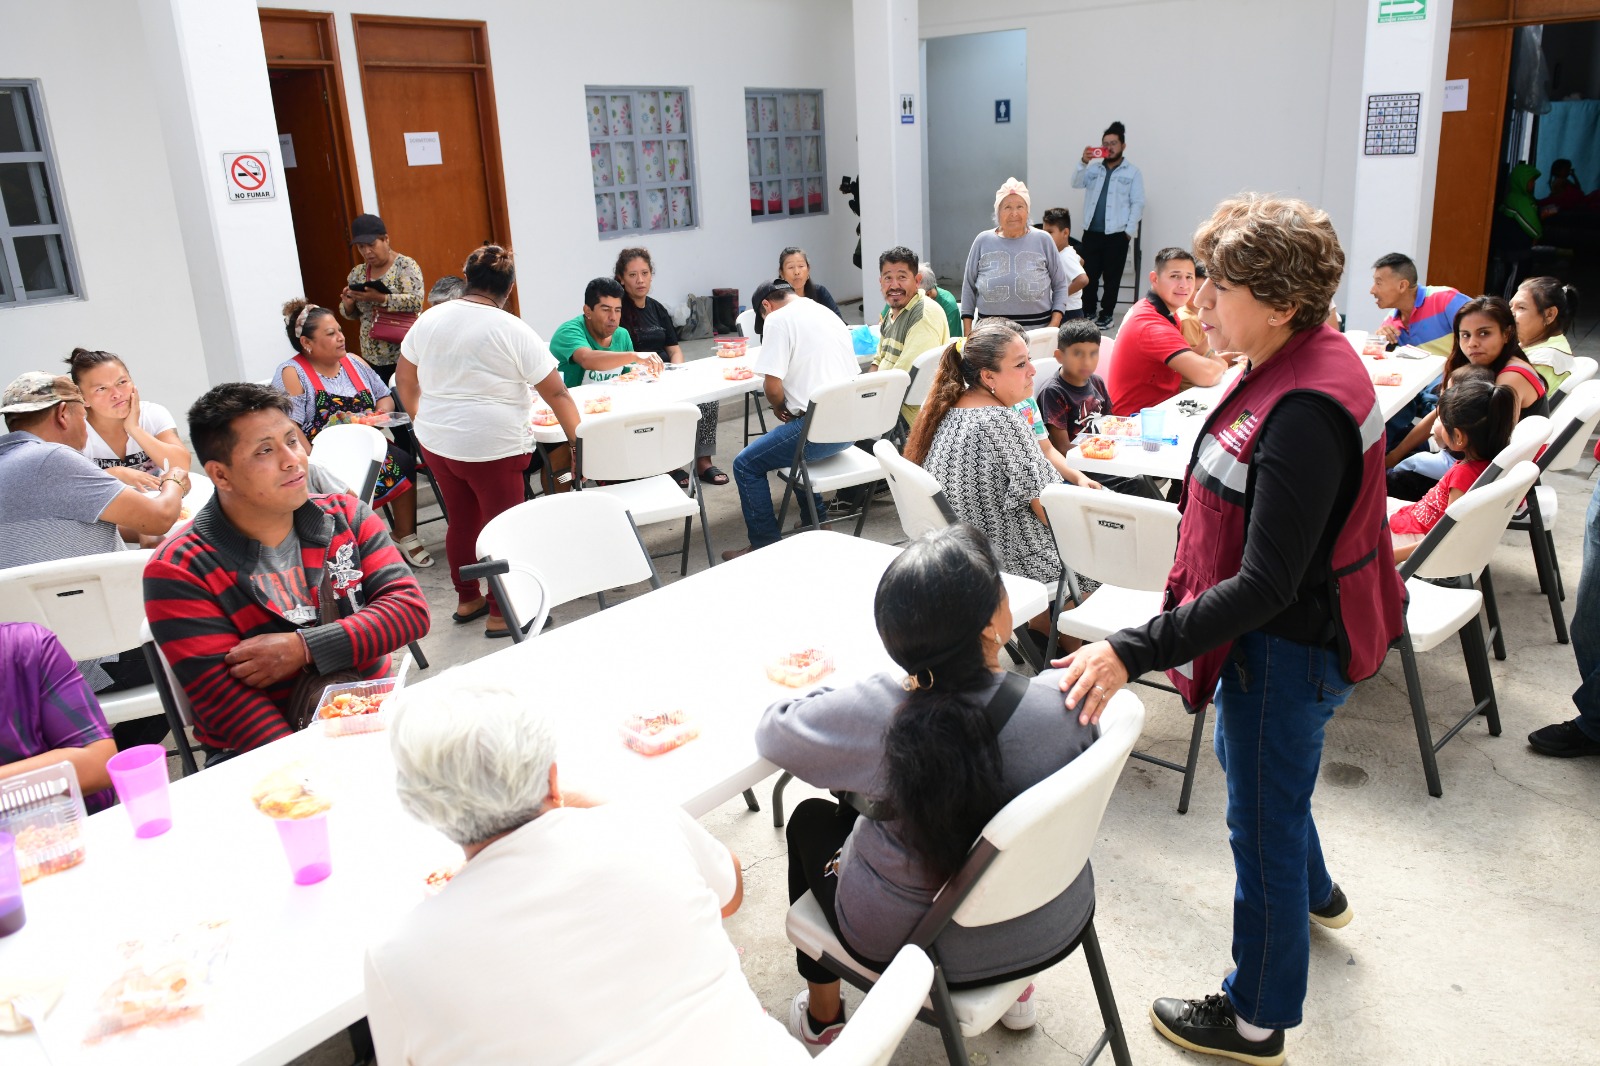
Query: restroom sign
(249, 176)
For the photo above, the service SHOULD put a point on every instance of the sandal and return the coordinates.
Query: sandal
(682, 478)
(414, 551)
(712, 476)
(471, 616)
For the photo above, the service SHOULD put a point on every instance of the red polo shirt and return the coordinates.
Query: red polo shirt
(1140, 376)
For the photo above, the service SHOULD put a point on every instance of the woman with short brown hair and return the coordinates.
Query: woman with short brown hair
(1283, 595)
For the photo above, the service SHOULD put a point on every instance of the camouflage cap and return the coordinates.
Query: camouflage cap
(35, 391)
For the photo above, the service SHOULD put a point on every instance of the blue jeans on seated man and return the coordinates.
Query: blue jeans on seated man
(771, 451)
(1273, 700)
(1586, 625)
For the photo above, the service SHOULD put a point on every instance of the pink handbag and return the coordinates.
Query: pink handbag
(392, 326)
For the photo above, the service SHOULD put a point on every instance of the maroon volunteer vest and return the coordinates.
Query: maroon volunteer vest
(1367, 594)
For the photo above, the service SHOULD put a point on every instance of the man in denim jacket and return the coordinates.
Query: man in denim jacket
(1113, 204)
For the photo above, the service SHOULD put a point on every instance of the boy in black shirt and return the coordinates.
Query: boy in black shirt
(1075, 396)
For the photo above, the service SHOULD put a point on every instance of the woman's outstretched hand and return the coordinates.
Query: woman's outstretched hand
(1093, 675)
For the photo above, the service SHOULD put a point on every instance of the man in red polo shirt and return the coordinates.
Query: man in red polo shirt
(1151, 360)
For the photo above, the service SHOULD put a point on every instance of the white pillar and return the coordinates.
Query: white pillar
(1394, 193)
(211, 89)
(888, 65)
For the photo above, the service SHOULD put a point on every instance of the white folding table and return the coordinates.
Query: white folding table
(695, 381)
(294, 973)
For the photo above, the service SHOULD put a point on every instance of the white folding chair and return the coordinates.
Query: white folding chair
(353, 454)
(1583, 369)
(752, 400)
(1527, 437)
(861, 408)
(1042, 343)
(924, 369)
(878, 1025)
(174, 700)
(1565, 444)
(1443, 599)
(1128, 543)
(94, 605)
(635, 450)
(1026, 856)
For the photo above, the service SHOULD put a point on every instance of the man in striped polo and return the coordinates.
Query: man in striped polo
(1424, 317)
(236, 601)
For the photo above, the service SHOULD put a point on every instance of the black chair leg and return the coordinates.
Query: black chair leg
(1549, 583)
(861, 520)
(777, 798)
(1486, 584)
(955, 1048)
(1193, 760)
(169, 707)
(1555, 561)
(1419, 714)
(683, 564)
(750, 799)
(1478, 674)
(1102, 992)
(416, 655)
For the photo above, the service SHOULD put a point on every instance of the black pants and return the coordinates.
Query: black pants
(1104, 257)
(131, 671)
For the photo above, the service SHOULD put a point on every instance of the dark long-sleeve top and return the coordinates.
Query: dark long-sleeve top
(825, 298)
(1305, 474)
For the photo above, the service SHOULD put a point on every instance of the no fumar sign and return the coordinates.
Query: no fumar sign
(249, 176)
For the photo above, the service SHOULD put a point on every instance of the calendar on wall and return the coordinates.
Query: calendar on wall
(1392, 120)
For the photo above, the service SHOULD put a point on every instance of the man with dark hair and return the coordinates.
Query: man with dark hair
(804, 348)
(1113, 204)
(237, 601)
(593, 346)
(1057, 222)
(1424, 317)
(1152, 360)
(911, 323)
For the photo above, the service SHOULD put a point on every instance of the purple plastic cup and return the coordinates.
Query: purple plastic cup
(12, 916)
(305, 844)
(140, 778)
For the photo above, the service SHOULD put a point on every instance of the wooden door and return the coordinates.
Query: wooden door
(432, 77)
(1469, 158)
(308, 100)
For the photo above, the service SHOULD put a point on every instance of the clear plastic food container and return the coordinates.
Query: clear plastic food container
(732, 347)
(354, 707)
(800, 668)
(655, 734)
(44, 810)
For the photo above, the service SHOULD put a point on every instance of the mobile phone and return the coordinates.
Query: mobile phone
(375, 286)
(1097, 153)
(358, 286)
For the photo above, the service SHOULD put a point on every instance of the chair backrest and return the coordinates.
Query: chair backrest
(1527, 437)
(180, 698)
(353, 454)
(1470, 529)
(581, 542)
(863, 407)
(923, 371)
(879, 1024)
(94, 604)
(1044, 835)
(1043, 371)
(1120, 540)
(917, 495)
(1042, 342)
(747, 323)
(1583, 368)
(628, 445)
(1571, 426)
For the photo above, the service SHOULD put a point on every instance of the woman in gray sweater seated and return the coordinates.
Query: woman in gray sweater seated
(920, 747)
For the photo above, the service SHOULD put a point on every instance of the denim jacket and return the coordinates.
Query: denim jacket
(1125, 202)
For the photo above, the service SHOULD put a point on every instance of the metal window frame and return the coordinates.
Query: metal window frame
(43, 154)
(784, 176)
(636, 141)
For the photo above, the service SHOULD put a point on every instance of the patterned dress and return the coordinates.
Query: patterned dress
(991, 469)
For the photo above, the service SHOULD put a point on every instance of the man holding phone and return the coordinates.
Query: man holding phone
(1113, 204)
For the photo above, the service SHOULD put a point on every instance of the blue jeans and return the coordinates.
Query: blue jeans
(770, 451)
(1273, 700)
(1586, 625)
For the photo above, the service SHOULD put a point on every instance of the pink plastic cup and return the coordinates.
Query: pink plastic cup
(140, 778)
(305, 843)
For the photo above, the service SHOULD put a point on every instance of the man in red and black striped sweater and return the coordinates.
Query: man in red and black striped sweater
(234, 601)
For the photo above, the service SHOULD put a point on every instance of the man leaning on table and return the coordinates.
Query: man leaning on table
(1424, 317)
(235, 600)
(1153, 360)
(594, 346)
(804, 348)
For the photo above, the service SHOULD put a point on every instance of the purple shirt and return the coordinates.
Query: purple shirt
(47, 703)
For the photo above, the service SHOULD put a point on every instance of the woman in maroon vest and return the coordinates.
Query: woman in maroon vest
(1283, 595)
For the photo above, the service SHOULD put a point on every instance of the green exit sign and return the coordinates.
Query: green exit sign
(1402, 10)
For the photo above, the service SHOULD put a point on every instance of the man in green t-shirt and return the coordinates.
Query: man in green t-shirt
(593, 346)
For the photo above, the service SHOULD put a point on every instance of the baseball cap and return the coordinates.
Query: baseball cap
(35, 390)
(776, 289)
(366, 229)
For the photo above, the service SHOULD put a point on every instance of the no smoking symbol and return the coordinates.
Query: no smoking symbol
(248, 172)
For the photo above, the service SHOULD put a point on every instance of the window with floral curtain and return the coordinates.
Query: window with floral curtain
(788, 168)
(641, 145)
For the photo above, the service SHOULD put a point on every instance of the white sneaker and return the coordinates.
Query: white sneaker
(1022, 1014)
(800, 1028)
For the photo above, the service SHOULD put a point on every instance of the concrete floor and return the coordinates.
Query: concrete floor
(1474, 936)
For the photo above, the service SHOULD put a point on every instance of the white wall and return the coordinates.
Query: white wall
(544, 55)
(969, 153)
(133, 277)
(1217, 97)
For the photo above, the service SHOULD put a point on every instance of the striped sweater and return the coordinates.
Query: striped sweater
(200, 602)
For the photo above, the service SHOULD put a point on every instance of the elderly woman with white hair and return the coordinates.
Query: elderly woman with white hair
(1013, 271)
(574, 931)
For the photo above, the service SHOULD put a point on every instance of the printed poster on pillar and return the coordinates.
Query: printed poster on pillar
(249, 176)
